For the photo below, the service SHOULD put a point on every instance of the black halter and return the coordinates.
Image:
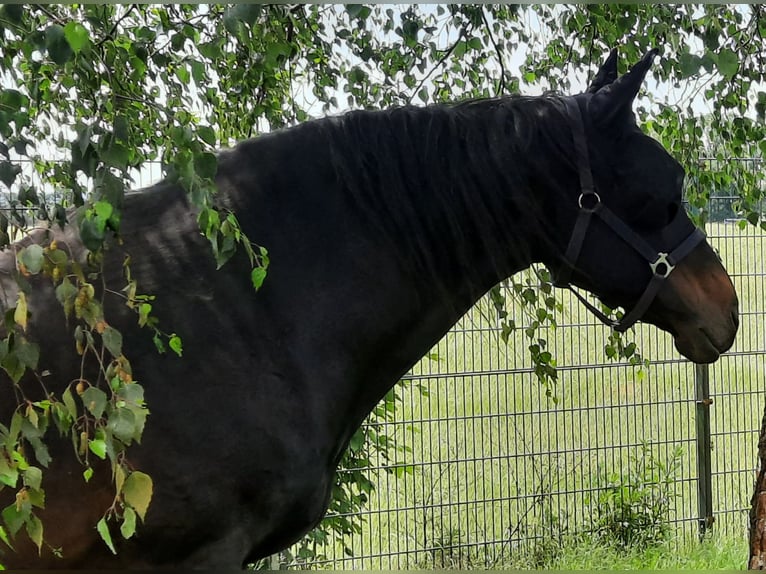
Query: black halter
(660, 263)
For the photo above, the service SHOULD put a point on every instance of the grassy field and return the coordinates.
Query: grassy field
(718, 552)
(503, 475)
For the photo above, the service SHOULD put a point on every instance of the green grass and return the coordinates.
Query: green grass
(715, 553)
(499, 465)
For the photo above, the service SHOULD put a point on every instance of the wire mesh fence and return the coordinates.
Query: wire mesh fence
(737, 379)
(498, 469)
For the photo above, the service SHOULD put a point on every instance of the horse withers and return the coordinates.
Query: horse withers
(384, 227)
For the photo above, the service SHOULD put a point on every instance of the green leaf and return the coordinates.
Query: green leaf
(27, 353)
(137, 492)
(183, 74)
(94, 400)
(112, 341)
(21, 311)
(728, 62)
(689, 64)
(358, 11)
(119, 478)
(143, 313)
(35, 531)
(76, 35)
(13, 100)
(37, 497)
(13, 367)
(4, 537)
(357, 441)
(121, 128)
(177, 41)
(8, 172)
(209, 221)
(402, 469)
(103, 211)
(69, 402)
(103, 530)
(141, 414)
(211, 50)
(57, 45)
(132, 393)
(116, 155)
(231, 23)
(41, 450)
(158, 343)
(87, 474)
(207, 134)
(66, 293)
(128, 527)
(62, 418)
(199, 73)
(58, 257)
(98, 447)
(176, 344)
(15, 518)
(17, 421)
(460, 49)
(258, 276)
(122, 424)
(205, 164)
(9, 475)
(92, 234)
(277, 50)
(33, 477)
(111, 189)
(14, 12)
(247, 13)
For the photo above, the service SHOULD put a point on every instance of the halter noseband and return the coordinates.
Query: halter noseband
(661, 263)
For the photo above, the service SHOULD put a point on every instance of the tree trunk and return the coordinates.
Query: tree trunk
(757, 559)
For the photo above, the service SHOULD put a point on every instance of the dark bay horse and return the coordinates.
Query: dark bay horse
(383, 227)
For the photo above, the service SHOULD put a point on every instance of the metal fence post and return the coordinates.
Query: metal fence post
(704, 449)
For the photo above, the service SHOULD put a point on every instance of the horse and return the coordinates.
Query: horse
(383, 227)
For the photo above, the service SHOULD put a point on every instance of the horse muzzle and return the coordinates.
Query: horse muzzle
(698, 306)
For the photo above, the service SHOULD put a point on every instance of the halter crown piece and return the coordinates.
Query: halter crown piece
(660, 263)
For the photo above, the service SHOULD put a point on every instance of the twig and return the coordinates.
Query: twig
(49, 14)
(116, 24)
(143, 101)
(441, 61)
(501, 86)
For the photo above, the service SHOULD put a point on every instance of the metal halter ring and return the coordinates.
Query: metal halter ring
(596, 197)
(662, 259)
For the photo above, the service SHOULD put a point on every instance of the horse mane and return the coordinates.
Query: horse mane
(414, 173)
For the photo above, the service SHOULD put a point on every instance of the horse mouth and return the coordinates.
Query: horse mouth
(700, 345)
(701, 350)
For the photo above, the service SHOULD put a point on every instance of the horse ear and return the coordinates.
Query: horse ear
(616, 99)
(606, 74)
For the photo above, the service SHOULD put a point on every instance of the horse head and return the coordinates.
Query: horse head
(631, 242)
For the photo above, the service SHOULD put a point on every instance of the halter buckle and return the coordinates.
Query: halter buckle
(594, 199)
(662, 259)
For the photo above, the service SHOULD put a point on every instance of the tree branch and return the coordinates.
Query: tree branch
(116, 24)
(438, 64)
(501, 86)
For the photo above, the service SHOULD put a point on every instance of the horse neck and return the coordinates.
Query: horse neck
(441, 214)
(458, 191)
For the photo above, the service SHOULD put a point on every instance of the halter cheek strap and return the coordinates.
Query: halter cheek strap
(660, 263)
